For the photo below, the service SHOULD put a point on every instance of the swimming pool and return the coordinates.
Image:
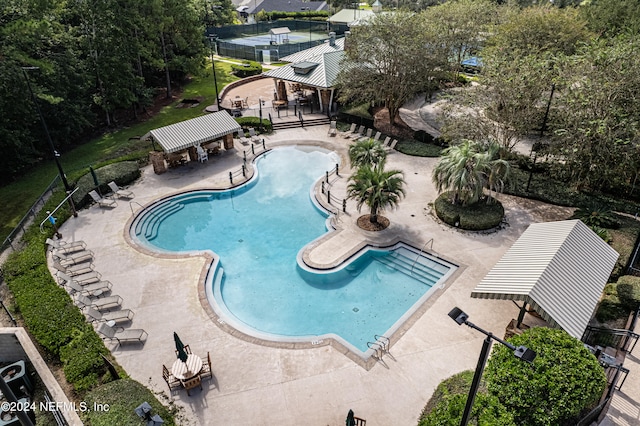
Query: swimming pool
(258, 231)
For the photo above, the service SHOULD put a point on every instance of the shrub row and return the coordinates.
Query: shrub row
(485, 214)
(620, 298)
(49, 313)
(245, 122)
(122, 173)
(246, 69)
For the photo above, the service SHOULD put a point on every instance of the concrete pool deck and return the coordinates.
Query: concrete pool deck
(263, 385)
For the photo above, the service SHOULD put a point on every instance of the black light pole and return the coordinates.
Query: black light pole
(213, 65)
(55, 153)
(522, 352)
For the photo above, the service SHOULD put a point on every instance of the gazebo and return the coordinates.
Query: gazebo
(188, 134)
(316, 71)
(279, 35)
(558, 268)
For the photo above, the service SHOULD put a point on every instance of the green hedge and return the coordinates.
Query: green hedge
(476, 217)
(563, 382)
(123, 396)
(122, 173)
(246, 69)
(245, 122)
(628, 289)
(486, 410)
(49, 313)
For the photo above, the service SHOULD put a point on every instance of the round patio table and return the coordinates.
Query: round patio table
(186, 370)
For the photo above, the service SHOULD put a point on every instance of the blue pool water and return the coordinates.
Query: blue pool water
(259, 229)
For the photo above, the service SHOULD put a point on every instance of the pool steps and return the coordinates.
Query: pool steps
(414, 265)
(149, 226)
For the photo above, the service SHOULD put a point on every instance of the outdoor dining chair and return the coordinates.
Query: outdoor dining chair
(172, 382)
(206, 372)
(191, 383)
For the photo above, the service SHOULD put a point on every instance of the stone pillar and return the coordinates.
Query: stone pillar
(228, 141)
(157, 160)
(325, 99)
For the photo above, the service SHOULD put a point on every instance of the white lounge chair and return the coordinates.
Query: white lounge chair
(377, 136)
(64, 247)
(332, 129)
(119, 192)
(96, 289)
(122, 315)
(349, 132)
(100, 304)
(386, 142)
(367, 135)
(121, 335)
(73, 258)
(102, 202)
(253, 135)
(73, 270)
(82, 279)
(391, 147)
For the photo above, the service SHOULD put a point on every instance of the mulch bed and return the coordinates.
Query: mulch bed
(365, 223)
(399, 129)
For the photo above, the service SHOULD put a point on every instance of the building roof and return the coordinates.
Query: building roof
(315, 51)
(279, 31)
(188, 133)
(559, 268)
(322, 75)
(347, 16)
(284, 6)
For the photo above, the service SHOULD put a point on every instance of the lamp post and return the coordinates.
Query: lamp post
(55, 153)
(521, 352)
(213, 66)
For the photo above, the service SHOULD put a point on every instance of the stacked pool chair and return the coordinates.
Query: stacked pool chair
(16, 377)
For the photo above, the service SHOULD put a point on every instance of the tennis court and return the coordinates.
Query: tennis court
(265, 39)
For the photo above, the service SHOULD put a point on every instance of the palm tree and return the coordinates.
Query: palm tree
(468, 168)
(366, 151)
(377, 188)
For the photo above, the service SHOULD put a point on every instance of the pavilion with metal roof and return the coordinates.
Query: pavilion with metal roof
(558, 268)
(186, 134)
(317, 73)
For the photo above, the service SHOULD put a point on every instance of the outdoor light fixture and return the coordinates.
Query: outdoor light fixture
(212, 39)
(521, 352)
(55, 153)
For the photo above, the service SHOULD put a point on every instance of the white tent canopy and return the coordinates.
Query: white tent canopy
(559, 268)
(188, 133)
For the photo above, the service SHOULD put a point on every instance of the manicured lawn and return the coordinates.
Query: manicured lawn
(17, 197)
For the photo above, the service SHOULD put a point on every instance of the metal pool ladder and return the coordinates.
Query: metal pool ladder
(420, 254)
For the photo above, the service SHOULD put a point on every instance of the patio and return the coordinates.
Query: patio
(257, 384)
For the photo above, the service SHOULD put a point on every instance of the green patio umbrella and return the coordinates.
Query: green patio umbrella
(182, 355)
(94, 176)
(351, 421)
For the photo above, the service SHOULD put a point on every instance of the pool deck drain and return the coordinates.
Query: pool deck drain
(258, 384)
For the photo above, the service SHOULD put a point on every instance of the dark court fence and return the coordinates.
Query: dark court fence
(275, 51)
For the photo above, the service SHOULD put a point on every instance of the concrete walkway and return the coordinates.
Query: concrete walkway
(255, 384)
